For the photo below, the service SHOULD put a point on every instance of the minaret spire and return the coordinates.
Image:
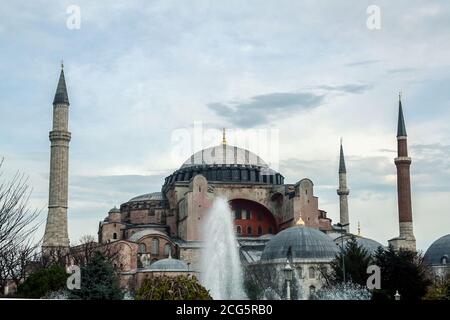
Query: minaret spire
(343, 191)
(56, 235)
(406, 239)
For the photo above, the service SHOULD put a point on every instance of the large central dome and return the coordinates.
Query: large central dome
(225, 164)
(224, 155)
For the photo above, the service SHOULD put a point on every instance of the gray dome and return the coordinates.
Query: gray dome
(147, 197)
(438, 250)
(306, 245)
(169, 264)
(369, 244)
(224, 154)
(114, 210)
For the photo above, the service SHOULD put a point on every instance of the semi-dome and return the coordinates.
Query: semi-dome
(439, 252)
(169, 264)
(224, 155)
(305, 245)
(146, 232)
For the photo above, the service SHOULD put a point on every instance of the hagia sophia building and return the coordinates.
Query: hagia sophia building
(159, 232)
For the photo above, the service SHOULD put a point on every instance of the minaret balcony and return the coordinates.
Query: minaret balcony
(402, 160)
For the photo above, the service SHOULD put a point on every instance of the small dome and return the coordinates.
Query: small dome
(169, 264)
(224, 154)
(306, 244)
(114, 210)
(438, 250)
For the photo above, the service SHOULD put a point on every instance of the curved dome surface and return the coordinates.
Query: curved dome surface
(138, 235)
(306, 244)
(223, 154)
(438, 250)
(147, 197)
(369, 244)
(169, 264)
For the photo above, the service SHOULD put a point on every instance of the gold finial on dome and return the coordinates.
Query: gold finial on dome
(300, 222)
(224, 139)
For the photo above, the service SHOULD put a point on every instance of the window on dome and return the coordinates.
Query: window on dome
(444, 260)
(114, 236)
(155, 246)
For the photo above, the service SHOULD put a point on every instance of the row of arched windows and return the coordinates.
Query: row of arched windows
(155, 248)
(250, 230)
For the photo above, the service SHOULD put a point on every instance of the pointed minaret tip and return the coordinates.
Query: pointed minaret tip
(401, 128)
(342, 168)
(61, 90)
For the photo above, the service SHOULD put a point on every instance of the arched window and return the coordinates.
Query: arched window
(444, 259)
(312, 290)
(238, 230)
(167, 249)
(312, 272)
(114, 236)
(142, 248)
(259, 230)
(155, 246)
(249, 230)
(300, 272)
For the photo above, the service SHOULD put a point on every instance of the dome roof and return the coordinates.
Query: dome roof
(306, 244)
(438, 250)
(147, 197)
(369, 244)
(224, 154)
(169, 264)
(114, 210)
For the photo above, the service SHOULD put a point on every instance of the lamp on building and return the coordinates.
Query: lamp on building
(288, 271)
(397, 295)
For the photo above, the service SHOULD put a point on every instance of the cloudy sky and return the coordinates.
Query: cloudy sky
(312, 71)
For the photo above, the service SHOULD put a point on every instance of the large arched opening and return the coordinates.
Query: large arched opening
(252, 219)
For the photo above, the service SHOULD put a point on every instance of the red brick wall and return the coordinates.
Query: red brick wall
(259, 217)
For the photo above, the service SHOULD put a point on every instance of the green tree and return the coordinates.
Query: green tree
(99, 280)
(439, 290)
(40, 283)
(172, 288)
(401, 270)
(356, 260)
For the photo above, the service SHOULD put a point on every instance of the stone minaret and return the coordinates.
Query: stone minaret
(343, 192)
(56, 228)
(406, 239)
